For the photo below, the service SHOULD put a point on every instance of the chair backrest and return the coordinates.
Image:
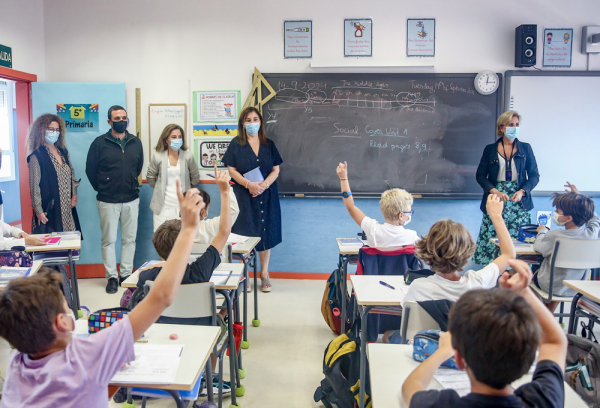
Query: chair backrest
(387, 261)
(194, 300)
(576, 253)
(199, 249)
(415, 319)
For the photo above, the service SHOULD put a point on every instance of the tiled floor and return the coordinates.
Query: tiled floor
(284, 361)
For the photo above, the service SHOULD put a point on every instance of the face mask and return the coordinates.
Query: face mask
(407, 220)
(511, 133)
(176, 144)
(72, 317)
(252, 128)
(120, 126)
(51, 137)
(555, 216)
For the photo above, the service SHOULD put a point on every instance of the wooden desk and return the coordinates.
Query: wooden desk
(232, 282)
(391, 364)
(68, 245)
(520, 248)
(369, 293)
(199, 342)
(347, 253)
(587, 288)
(34, 269)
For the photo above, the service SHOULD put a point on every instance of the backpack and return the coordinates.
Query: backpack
(582, 372)
(331, 305)
(341, 366)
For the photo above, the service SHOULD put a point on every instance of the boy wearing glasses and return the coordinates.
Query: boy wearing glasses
(396, 209)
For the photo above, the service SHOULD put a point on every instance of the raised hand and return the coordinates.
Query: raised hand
(520, 279)
(190, 206)
(342, 170)
(494, 206)
(222, 180)
(572, 188)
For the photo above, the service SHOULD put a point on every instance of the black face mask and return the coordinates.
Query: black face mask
(120, 126)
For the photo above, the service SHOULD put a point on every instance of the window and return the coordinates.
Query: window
(7, 130)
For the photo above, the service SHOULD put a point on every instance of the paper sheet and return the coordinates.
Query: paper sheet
(154, 364)
(238, 239)
(453, 379)
(220, 277)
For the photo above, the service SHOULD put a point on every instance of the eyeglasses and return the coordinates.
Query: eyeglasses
(54, 129)
(411, 212)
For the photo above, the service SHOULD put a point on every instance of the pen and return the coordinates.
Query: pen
(141, 341)
(213, 176)
(385, 284)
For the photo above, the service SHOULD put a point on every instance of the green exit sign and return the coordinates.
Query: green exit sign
(5, 56)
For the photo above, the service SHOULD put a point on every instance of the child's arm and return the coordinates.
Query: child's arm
(356, 214)
(507, 250)
(225, 217)
(553, 342)
(234, 208)
(165, 287)
(544, 244)
(421, 376)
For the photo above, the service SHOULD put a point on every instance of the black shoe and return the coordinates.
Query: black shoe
(112, 285)
(122, 278)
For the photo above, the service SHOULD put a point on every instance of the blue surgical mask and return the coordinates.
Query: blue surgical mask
(511, 133)
(176, 144)
(252, 128)
(51, 136)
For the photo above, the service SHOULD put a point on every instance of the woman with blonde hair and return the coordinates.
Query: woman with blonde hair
(509, 171)
(51, 177)
(171, 161)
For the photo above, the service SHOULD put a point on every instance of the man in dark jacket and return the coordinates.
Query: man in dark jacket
(114, 163)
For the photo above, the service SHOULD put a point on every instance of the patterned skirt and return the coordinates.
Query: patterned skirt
(514, 216)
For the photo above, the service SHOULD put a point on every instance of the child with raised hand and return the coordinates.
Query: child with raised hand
(55, 369)
(396, 209)
(493, 335)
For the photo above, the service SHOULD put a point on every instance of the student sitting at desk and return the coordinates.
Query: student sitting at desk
(395, 207)
(447, 249)
(576, 213)
(52, 368)
(493, 335)
(209, 227)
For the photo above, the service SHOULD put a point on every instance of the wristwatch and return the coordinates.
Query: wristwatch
(346, 194)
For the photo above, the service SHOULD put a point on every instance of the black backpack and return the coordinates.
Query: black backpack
(341, 366)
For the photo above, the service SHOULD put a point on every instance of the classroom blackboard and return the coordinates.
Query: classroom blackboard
(421, 132)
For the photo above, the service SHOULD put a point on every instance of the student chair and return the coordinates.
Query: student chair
(199, 249)
(385, 261)
(194, 301)
(571, 254)
(415, 319)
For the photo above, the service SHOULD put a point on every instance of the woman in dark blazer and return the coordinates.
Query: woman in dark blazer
(51, 177)
(507, 169)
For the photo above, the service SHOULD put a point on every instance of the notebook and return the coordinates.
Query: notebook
(350, 241)
(8, 273)
(237, 239)
(153, 364)
(254, 175)
(52, 240)
(220, 278)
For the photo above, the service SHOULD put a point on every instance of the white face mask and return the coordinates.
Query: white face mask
(555, 216)
(72, 317)
(408, 219)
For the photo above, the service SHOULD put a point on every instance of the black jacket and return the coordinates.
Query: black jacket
(527, 171)
(113, 172)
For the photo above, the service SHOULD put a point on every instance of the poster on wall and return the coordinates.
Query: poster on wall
(358, 37)
(297, 39)
(208, 152)
(216, 106)
(79, 117)
(558, 47)
(216, 129)
(420, 37)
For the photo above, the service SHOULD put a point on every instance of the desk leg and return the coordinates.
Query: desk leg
(237, 319)
(74, 286)
(245, 338)
(208, 376)
(178, 400)
(572, 329)
(232, 349)
(345, 259)
(363, 353)
(254, 255)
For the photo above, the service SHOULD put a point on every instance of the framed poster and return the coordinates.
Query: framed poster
(420, 37)
(297, 39)
(358, 37)
(558, 47)
(216, 106)
(208, 152)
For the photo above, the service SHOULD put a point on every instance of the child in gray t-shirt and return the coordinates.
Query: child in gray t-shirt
(575, 212)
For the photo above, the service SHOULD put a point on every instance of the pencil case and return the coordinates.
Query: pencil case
(527, 233)
(104, 318)
(426, 343)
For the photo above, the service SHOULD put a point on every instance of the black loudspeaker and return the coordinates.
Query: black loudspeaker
(525, 45)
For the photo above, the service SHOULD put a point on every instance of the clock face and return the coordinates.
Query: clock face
(486, 83)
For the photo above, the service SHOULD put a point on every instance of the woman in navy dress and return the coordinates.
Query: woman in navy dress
(260, 214)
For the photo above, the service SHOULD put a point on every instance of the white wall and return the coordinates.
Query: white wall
(168, 48)
(22, 29)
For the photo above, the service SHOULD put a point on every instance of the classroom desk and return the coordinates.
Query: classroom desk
(71, 246)
(391, 364)
(347, 253)
(199, 342)
(369, 293)
(34, 269)
(521, 248)
(230, 292)
(246, 252)
(587, 288)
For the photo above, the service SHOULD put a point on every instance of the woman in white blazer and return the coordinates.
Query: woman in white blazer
(172, 160)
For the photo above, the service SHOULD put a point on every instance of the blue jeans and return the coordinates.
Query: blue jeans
(395, 337)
